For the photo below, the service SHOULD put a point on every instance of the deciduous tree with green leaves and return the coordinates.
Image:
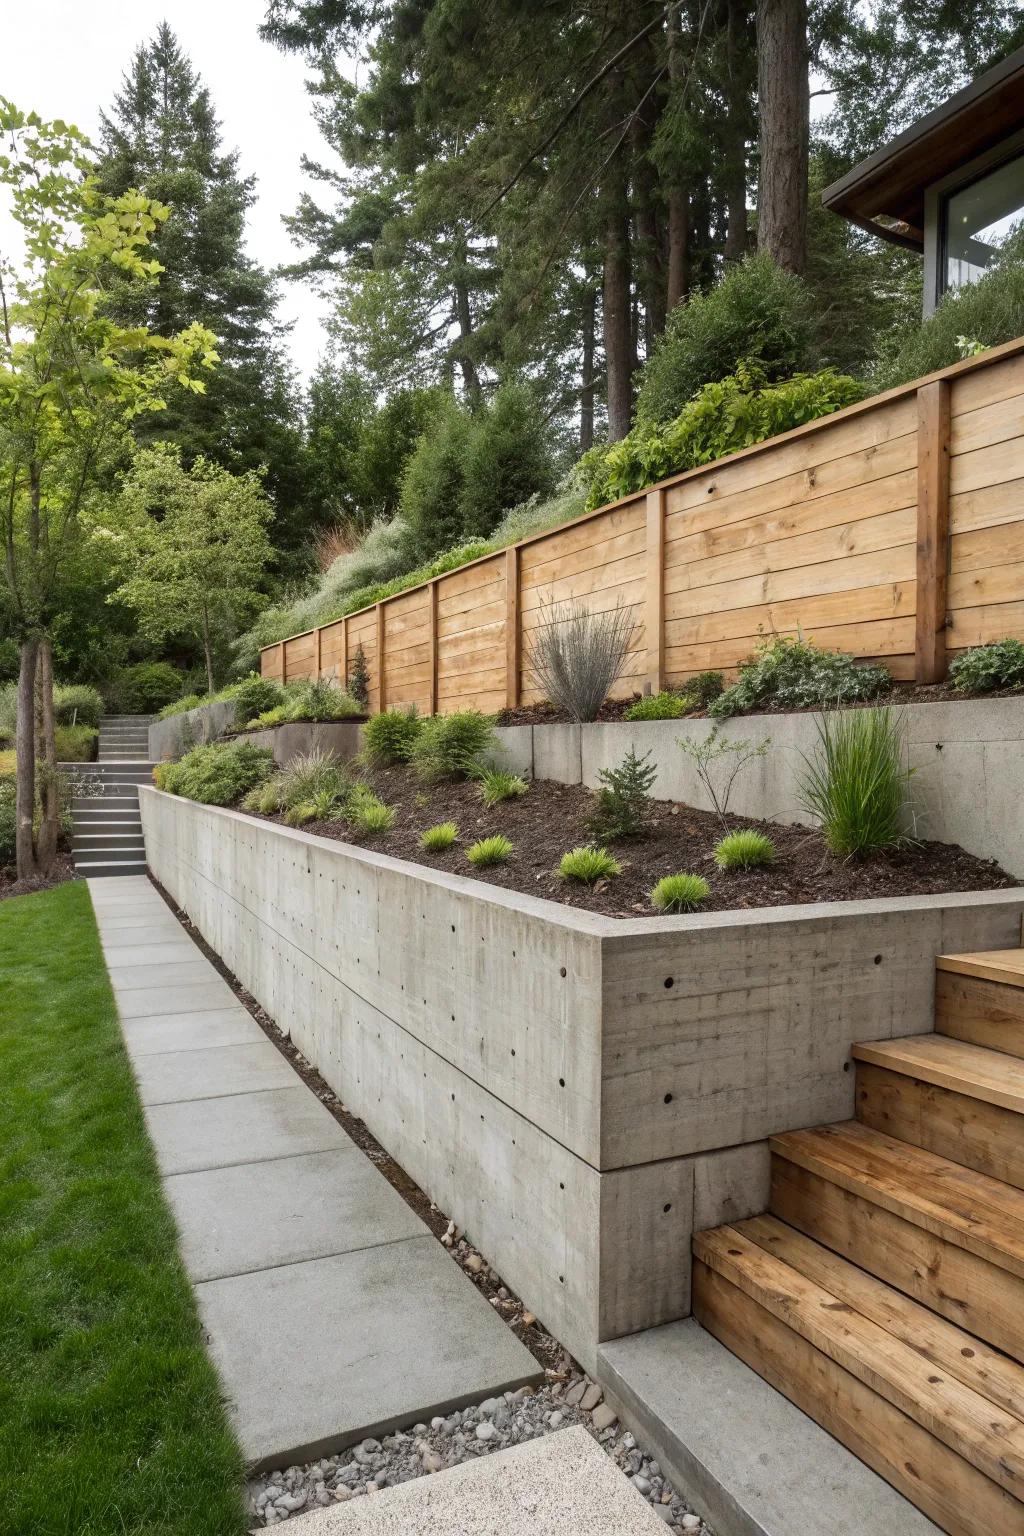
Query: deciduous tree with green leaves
(196, 547)
(72, 380)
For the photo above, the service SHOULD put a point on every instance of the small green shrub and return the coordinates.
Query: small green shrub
(77, 704)
(181, 706)
(298, 815)
(366, 813)
(269, 718)
(312, 777)
(321, 701)
(796, 674)
(666, 705)
(718, 763)
(704, 688)
(988, 667)
(254, 695)
(389, 737)
(450, 746)
(496, 784)
(680, 893)
(623, 806)
(440, 838)
(8, 820)
(856, 784)
(746, 849)
(218, 774)
(146, 687)
(489, 850)
(75, 743)
(263, 799)
(588, 865)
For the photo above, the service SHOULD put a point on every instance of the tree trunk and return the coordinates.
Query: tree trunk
(734, 169)
(587, 371)
(208, 653)
(782, 83)
(617, 317)
(677, 284)
(46, 763)
(648, 254)
(464, 319)
(25, 763)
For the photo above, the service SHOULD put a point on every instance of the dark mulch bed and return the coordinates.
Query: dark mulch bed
(551, 818)
(62, 870)
(902, 693)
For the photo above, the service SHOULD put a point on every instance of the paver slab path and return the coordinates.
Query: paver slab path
(330, 1310)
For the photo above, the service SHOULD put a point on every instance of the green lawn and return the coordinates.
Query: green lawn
(111, 1421)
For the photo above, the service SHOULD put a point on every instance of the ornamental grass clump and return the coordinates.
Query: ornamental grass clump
(496, 784)
(312, 776)
(680, 893)
(440, 838)
(450, 746)
(857, 783)
(576, 655)
(746, 849)
(389, 737)
(367, 814)
(489, 851)
(588, 865)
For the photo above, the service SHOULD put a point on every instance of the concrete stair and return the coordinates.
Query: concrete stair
(107, 827)
(883, 1294)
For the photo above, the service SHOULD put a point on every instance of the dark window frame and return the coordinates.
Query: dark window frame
(936, 204)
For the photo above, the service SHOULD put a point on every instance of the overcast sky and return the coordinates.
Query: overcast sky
(65, 58)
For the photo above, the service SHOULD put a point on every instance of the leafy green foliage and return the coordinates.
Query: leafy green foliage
(432, 489)
(269, 718)
(497, 784)
(75, 743)
(108, 1390)
(623, 805)
(253, 695)
(857, 783)
(745, 849)
(450, 746)
(217, 774)
(796, 674)
(666, 705)
(321, 700)
(757, 313)
(182, 706)
(8, 819)
(723, 416)
(588, 865)
(704, 688)
(489, 851)
(987, 667)
(308, 777)
(389, 737)
(680, 893)
(76, 704)
(359, 678)
(367, 814)
(984, 313)
(440, 838)
(506, 460)
(145, 688)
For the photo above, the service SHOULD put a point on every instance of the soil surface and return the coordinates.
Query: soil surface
(551, 818)
(901, 693)
(63, 869)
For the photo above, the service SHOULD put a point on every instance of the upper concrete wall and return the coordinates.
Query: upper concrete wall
(171, 738)
(967, 757)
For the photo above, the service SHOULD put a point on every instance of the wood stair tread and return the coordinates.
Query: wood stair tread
(968, 1209)
(1005, 965)
(974, 1070)
(862, 1325)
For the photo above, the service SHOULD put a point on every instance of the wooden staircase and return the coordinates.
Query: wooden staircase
(884, 1291)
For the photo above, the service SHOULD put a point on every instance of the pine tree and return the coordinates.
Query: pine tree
(162, 135)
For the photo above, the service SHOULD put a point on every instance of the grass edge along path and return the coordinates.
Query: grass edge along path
(111, 1414)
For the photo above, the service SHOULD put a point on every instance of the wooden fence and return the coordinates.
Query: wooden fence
(893, 529)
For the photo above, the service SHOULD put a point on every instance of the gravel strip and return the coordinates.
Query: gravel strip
(493, 1425)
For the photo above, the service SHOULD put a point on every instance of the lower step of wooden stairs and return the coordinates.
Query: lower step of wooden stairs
(883, 1293)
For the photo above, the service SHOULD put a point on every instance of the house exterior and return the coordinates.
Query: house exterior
(951, 185)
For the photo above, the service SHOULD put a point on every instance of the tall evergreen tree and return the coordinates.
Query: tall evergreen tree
(162, 135)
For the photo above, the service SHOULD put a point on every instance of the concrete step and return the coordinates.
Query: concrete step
(102, 868)
(750, 1461)
(110, 803)
(85, 842)
(907, 1395)
(133, 853)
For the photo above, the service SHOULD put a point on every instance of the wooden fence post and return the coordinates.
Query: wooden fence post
(381, 692)
(654, 607)
(933, 429)
(316, 651)
(344, 652)
(432, 599)
(513, 646)
(284, 662)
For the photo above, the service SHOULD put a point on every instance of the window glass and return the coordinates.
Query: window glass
(980, 219)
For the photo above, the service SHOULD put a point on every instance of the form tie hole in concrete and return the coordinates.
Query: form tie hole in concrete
(878, 959)
(670, 981)
(453, 1098)
(846, 1066)
(561, 1279)
(513, 1050)
(667, 1208)
(668, 1098)
(561, 1082)
(562, 971)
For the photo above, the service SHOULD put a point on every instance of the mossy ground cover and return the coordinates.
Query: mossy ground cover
(111, 1418)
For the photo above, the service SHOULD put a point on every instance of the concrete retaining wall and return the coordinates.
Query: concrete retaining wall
(170, 739)
(967, 756)
(341, 738)
(578, 1093)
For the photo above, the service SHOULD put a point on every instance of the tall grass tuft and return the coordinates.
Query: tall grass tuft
(576, 655)
(856, 784)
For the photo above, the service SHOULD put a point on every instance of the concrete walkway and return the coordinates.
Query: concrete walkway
(561, 1485)
(330, 1310)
